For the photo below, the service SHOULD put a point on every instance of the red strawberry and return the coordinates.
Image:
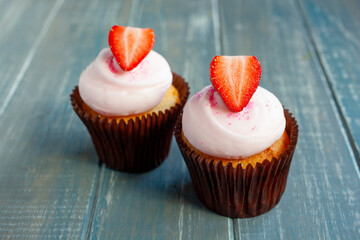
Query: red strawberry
(236, 79)
(130, 45)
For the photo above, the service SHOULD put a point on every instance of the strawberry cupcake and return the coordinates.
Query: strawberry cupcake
(129, 100)
(237, 140)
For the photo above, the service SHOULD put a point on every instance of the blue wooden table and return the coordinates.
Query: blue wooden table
(51, 183)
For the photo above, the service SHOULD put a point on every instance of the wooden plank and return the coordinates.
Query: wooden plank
(48, 168)
(162, 204)
(321, 199)
(19, 40)
(334, 28)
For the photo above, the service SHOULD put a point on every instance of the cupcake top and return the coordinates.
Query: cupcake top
(234, 118)
(128, 78)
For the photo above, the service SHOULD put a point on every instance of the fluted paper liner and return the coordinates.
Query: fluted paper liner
(138, 145)
(238, 192)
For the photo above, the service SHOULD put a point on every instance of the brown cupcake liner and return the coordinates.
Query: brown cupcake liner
(136, 145)
(238, 192)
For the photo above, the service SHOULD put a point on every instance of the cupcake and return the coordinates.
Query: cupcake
(129, 100)
(237, 140)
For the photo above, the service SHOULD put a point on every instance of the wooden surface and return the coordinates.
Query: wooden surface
(51, 184)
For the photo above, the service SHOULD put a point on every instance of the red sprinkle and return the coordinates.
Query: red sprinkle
(212, 100)
(249, 106)
(199, 94)
(111, 66)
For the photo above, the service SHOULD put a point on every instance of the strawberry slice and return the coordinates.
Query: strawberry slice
(130, 45)
(236, 79)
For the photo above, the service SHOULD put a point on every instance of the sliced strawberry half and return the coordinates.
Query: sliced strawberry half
(236, 79)
(130, 45)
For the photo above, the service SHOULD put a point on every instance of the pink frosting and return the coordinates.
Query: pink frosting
(213, 129)
(110, 91)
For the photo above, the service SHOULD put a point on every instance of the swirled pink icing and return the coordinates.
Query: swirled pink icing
(110, 91)
(215, 130)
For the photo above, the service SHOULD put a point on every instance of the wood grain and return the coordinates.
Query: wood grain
(162, 204)
(19, 40)
(323, 184)
(48, 168)
(334, 30)
(51, 185)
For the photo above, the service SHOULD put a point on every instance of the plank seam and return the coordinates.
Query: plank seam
(47, 24)
(340, 116)
(101, 176)
(94, 202)
(231, 226)
(133, 13)
(236, 226)
(181, 202)
(219, 49)
(215, 8)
